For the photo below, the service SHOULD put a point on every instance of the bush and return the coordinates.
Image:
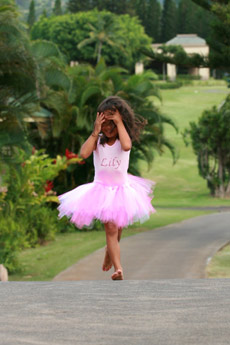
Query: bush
(26, 218)
(169, 85)
(67, 31)
(12, 241)
(209, 82)
(210, 139)
(187, 77)
(41, 225)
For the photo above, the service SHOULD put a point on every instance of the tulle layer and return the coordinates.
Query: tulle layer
(121, 204)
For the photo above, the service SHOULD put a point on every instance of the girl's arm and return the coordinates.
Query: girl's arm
(124, 137)
(91, 143)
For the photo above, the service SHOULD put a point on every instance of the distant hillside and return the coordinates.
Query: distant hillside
(48, 4)
(40, 5)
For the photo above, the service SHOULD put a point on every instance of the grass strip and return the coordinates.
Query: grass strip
(219, 266)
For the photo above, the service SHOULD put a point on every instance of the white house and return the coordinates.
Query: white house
(192, 44)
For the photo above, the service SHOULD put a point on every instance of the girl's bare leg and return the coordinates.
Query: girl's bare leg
(107, 264)
(113, 248)
(119, 234)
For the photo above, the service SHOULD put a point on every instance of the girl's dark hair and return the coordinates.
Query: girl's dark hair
(132, 123)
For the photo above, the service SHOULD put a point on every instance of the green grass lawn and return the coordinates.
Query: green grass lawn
(180, 184)
(219, 266)
(177, 185)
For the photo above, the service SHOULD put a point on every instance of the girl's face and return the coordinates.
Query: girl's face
(108, 128)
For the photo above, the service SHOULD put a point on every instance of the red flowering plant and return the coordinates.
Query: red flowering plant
(73, 157)
(35, 180)
(48, 188)
(36, 176)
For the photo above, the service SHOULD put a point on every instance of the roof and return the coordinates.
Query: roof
(187, 40)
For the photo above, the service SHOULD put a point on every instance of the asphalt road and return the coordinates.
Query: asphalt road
(154, 312)
(180, 250)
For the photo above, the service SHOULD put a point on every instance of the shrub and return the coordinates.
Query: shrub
(210, 139)
(26, 218)
(41, 225)
(169, 85)
(12, 241)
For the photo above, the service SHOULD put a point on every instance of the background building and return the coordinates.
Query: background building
(192, 44)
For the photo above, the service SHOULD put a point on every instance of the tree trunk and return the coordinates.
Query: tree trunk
(220, 176)
(227, 192)
(164, 70)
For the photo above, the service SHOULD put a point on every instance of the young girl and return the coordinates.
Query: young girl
(115, 197)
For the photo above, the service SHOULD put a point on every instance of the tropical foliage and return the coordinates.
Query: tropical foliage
(47, 104)
(101, 31)
(74, 116)
(17, 80)
(210, 139)
(184, 16)
(175, 54)
(118, 7)
(220, 38)
(27, 188)
(162, 19)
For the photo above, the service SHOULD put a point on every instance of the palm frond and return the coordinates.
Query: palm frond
(42, 49)
(89, 92)
(57, 79)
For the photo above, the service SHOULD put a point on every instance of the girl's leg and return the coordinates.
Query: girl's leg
(114, 249)
(119, 234)
(107, 264)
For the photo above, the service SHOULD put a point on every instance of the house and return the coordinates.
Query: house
(192, 44)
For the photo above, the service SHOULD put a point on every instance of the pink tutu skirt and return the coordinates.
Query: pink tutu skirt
(121, 204)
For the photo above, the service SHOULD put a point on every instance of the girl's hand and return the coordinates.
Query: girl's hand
(115, 116)
(98, 122)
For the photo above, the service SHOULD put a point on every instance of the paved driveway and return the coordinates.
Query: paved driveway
(181, 250)
(144, 312)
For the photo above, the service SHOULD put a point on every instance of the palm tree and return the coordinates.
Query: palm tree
(55, 107)
(33, 86)
(102, 33)
(18, 97)
(90, 86)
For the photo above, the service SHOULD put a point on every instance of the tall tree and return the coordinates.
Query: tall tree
(184, 11)
(78, 5)
(193, 19)
(141, 10)
(168, 20)
(118, 6)
(17, 80)
(57, 10)
(101, 33)
(153, 16)
(44, 13)
(220, 39)
(210, 140)
(31, 16)
(69, 30)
